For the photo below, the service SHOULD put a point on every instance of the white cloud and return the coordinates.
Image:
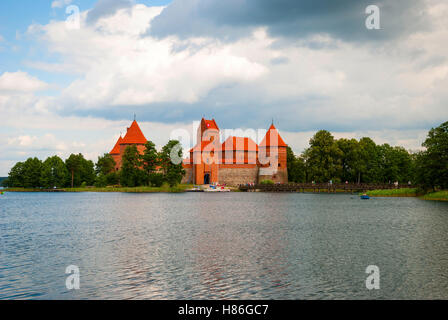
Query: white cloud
(60, 3)
(20, 82)
(121, 67)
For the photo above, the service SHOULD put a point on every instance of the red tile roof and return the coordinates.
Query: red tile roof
(203, 145)
(116, 149)
(239, 144)
(208, 124)
(134, 135)
(273, 134)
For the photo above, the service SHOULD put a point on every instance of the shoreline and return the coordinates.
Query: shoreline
(409, 193)
(392, 193)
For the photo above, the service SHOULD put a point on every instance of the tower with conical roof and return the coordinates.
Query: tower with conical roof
(134, 136)
(115, 153)
(272, 157)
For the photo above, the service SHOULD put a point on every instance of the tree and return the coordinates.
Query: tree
(150, 161)
(394, 164)
(350, 160)
(73, 164)
(86, 173)
(54, 173)
(432, 164)
(31, 173)
(105, 165)
(368, 161)
(131, 173)
(296, 167)
(105, 171)
(171, 161)
(15, 176)
(82, 170)
(324, 157)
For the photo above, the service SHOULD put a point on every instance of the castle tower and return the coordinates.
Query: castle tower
(134, 136)
(272, 157)
(115, 153)
(205, 154)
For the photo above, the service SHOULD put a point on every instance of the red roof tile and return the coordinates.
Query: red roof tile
(273, 134)
(239, 144)
(116, 149)
(134, 135)
(208, 124)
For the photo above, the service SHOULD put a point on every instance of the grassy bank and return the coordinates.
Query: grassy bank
(164, 188)
(410, 192)
(405, 192)
(439, 195)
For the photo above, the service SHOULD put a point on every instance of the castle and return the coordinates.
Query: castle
(238, 160)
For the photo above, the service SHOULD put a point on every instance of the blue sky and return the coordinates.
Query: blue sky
(309, 65)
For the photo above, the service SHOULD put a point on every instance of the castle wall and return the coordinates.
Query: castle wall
(280, 176)
(234, 175)
(188, 177)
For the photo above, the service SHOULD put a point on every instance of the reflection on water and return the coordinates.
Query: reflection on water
(212, 246)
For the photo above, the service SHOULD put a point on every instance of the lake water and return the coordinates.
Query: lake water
(221, 246)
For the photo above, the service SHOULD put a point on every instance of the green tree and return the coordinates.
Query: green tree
(150, 161)
(324, 157)
(368, 161)
(73, 164)
(131, 174)
(171, 161)
(350, 160)
(32, 169)
(82, 171)
(432, 164)
(105, 165)
(15, 177)
(105, 171)
(394, 164)
(296, 167)
(54, 173)
(86, 173)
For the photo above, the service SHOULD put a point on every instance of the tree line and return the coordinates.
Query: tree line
(152, 168)
(363, 161)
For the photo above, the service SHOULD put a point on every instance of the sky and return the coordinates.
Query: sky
(73, 85)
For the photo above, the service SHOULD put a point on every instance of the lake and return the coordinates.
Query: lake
(221, 246)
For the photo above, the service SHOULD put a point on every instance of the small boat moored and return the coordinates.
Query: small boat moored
(195, 189)
(365, 197)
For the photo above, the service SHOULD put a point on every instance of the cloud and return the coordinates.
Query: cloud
(60, 3)
(331, 84)
(20, 82)
(106, 8)
(342, 19)
(127, 69)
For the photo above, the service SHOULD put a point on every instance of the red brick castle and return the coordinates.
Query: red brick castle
(238, 160)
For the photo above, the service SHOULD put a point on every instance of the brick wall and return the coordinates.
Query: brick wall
(280, 176)
(237, 176)
(188, 177)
